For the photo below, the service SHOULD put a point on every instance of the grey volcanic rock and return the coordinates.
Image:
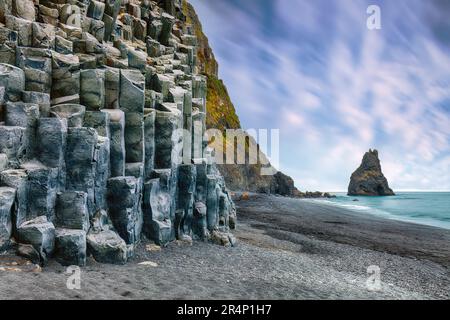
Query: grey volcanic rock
(41, 189)
(104, 243)
(72, 211)
(13, 79)
(74, 113)
(40, 234)
(199, 225)
(92, 89)
(282, 185)
(70, 247)
(368, 179)
(80, 162)
(157, 219)
(7, 196)
(17, 179)
(107, 247)
(98, 104)
(117, 143)
(186, 183)
(124, 199)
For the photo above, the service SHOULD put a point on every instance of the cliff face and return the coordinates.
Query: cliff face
(92, 97)
(222, 115)
(368, 179)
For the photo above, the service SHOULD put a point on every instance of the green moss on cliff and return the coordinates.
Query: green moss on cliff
(221, 112)
(206, 60)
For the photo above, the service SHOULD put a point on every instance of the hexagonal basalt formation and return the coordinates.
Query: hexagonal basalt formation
(93, 95)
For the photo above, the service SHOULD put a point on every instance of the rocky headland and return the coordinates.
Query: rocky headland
(222, 115)
(368, 179)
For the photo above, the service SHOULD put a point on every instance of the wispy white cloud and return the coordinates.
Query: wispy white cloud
(336, 89)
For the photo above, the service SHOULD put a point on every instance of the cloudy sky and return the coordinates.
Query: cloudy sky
(336, 89)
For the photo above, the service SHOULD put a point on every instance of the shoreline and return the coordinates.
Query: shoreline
(382, 213)
(287, 249)
(341, 225)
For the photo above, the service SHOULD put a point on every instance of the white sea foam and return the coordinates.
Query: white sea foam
(342, 205)
(409, 212)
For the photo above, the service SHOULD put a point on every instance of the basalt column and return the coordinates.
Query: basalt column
(102, 120)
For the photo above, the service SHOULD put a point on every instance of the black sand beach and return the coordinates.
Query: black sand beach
(287, 249)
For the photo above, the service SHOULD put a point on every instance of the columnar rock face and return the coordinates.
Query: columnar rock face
(368, 179)
(99, 102)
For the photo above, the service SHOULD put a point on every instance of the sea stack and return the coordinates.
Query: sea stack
(368, 179)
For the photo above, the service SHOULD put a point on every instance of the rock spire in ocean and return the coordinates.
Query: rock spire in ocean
(368, 179)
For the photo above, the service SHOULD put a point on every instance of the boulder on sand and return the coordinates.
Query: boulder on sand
(40, 234)
(70, 247)
(105, 245)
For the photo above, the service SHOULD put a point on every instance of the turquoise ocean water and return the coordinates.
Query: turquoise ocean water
(429, 208)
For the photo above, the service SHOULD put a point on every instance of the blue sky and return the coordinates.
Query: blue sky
(336, 89)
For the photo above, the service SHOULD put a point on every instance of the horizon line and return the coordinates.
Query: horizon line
(395, 191)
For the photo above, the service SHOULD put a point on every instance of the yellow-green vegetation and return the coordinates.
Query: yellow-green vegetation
(367, 175)
(221, 112)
